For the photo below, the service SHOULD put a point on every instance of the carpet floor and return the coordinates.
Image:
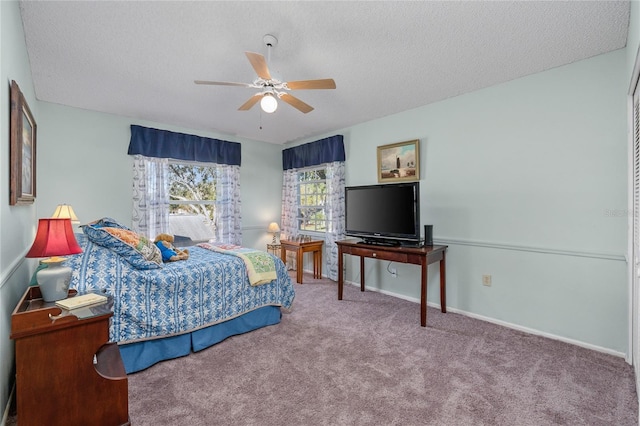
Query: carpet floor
(365, 360)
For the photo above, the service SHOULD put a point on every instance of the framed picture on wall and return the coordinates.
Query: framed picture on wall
(22, 179)
(399, 162)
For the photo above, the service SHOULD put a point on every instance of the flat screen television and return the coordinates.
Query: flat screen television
(386, 214)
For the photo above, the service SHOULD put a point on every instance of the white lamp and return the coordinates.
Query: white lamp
(65, 211)
(274, 229)
(268, 103)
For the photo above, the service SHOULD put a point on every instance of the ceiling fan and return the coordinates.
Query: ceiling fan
(271, 88)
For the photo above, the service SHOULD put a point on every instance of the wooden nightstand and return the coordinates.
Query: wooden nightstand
(66, 372)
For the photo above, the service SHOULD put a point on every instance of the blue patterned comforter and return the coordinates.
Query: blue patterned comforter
(181, 297)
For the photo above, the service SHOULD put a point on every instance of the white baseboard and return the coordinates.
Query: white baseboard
(500, 322)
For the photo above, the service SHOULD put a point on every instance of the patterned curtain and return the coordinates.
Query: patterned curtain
(150, 196)
(335, 216)
(289, 226)
(289, 219)
(228, 218)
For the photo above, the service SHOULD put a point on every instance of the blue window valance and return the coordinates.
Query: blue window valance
(310, 154)
(180, 146)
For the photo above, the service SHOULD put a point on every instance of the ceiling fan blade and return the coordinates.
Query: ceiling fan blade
(251, 102)
(221, 83)
(259, 64)
(326, 83)
(296, 103)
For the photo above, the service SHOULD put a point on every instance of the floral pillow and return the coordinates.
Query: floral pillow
(136, 249)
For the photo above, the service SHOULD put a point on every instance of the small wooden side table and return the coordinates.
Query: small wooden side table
(301, 247)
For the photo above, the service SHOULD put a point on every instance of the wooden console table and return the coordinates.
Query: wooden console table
(423, 256)
(301, 247)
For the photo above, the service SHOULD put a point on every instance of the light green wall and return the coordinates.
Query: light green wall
(539, 162)
(633, 46)
(525, 181)
(86, 165)
(633, 38)
(17, 223)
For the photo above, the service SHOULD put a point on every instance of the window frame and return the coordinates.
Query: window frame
(209, 202)
(193, 164)
(299, 207)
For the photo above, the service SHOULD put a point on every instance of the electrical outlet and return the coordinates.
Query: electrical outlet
(486, 280)
(394, 272)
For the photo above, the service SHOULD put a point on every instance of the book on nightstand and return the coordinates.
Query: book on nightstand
(81, 301)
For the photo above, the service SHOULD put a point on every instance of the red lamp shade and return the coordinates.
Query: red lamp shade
(54, 238)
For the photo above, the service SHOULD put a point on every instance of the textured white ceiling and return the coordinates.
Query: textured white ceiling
(139, 58)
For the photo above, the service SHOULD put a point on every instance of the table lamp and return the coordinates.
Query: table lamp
(65, 211)
(54, 238)
(274, 229)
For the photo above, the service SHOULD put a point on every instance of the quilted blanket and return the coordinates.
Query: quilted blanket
(206, 289)
(260, 265)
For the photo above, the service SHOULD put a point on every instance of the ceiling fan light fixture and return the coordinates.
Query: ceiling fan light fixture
(268, 103)
(271, 88)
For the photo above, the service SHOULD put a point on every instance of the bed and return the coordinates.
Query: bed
(167, 311)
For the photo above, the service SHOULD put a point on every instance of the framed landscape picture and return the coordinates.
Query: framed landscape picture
(399, 162)
(22, 175)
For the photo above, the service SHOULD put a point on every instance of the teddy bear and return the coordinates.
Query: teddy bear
(170, 253)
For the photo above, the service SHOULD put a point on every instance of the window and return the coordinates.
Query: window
(192, 197)
(312, 197)
(204, 184)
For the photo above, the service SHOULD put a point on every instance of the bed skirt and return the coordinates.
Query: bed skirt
(140, 355)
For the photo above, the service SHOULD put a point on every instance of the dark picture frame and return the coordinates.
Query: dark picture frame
(399, 162)
(23, 130)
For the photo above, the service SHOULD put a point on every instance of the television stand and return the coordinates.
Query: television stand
(412, 244)
(384, 243)
(423, 256)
